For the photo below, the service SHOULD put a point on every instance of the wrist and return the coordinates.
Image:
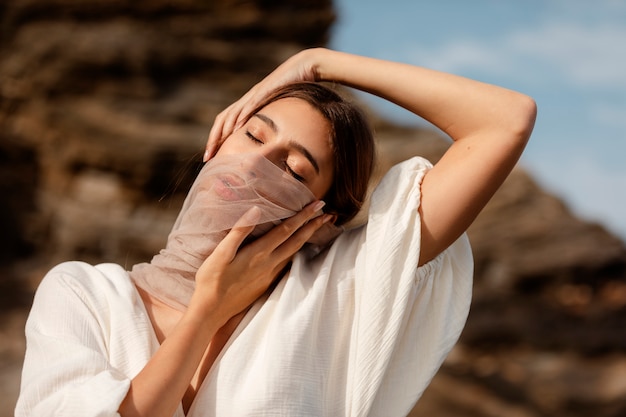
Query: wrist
(205, 308)
(317, 58)
(333, 66)
(311, 62)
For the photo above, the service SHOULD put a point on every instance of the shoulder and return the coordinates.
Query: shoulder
(90, 283)
(402, 182)
(82, 274)
(416, 165)
(397, 196)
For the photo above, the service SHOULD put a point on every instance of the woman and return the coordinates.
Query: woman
(263, 328)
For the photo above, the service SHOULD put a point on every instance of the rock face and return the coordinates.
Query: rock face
(104, 109)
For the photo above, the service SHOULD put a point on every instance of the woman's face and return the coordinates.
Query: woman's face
(294, 136)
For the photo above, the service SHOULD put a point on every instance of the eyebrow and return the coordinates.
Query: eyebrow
(297, 146)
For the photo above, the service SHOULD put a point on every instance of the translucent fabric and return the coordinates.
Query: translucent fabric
(225, 189)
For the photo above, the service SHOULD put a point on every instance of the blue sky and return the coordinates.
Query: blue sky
(569, 55)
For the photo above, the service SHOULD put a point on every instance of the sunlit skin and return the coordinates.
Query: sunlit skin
(294, 136)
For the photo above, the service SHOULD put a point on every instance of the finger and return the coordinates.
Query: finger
(295, 242)
(249, 102)
(228, 127)
(222, 127)
(281, 232)
(244, 114)
(228, 247)
(214, 139)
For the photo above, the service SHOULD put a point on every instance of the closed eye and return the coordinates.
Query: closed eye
(287, 167)
(253, 138)
(293, 173)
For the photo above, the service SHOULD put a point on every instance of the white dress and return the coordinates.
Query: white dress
(357, 331)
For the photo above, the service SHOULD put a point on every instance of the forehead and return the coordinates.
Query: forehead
(292, 109)
(297, 120)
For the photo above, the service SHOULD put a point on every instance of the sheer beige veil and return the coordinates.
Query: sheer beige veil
(226, 187)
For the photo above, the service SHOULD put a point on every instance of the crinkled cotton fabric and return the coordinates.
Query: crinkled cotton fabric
(359, 330)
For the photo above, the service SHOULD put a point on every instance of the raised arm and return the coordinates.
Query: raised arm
(489, 126)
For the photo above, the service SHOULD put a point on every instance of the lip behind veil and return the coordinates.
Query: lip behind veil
(204, 220)
(257, 182)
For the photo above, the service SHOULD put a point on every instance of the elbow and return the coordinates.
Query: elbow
(525, 112)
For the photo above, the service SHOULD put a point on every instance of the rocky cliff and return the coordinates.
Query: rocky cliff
(104, 110)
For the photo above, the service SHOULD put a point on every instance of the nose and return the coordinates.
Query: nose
(272, 154)
(257, 163)
(268, 153)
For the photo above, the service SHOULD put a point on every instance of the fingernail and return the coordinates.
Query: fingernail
(205, 157)
(252, 216)
(319, 205)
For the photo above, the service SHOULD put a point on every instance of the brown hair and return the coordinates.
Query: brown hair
(352, 141)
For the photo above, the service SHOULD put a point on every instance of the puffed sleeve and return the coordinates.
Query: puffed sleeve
(407, 319)
(67, 368)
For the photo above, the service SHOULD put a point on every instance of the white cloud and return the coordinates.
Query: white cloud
(463, 55)
(585, 56)
(589, 56)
